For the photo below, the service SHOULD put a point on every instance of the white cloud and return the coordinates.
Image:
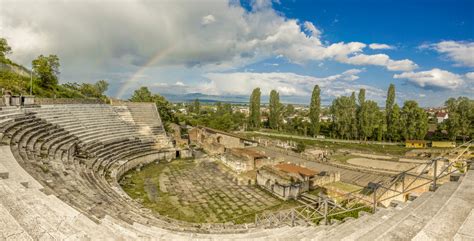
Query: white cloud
(179, 83)
(309, 26)
(470, 75)
(433, 78)
(380, 46)
(208, 19)
(104, 37)
(135, 32)
(462, 53)
(381, 60)
(242, 83)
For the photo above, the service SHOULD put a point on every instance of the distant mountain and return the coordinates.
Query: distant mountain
(237, 99)
(206, 98)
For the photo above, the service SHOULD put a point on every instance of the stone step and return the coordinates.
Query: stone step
(409, 221)
(457, 210)
(9, 227)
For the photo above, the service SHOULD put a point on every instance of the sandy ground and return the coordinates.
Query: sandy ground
(381, 164)
(380, 157)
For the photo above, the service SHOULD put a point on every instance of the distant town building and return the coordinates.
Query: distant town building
(441, 116)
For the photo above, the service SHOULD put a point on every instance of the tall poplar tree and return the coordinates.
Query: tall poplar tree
(315, 110)
(254, 109)
(275, 108)
(197, 106)
(342, 117)
(396, 127)
(389, 108)
(361, 111)
(354, 111)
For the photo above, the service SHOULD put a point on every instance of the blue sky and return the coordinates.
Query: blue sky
(227, 48)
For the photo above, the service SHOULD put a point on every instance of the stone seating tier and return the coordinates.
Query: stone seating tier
(64, 196)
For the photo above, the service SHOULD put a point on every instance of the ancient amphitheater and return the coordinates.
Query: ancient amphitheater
(59, 171)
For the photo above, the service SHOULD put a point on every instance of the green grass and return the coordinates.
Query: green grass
(342, 157)
(139, 185)
(343, 186)
(398, 150)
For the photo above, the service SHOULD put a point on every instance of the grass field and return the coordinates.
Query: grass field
(397, 150)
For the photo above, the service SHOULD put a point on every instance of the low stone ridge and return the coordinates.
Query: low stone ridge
(64, 161)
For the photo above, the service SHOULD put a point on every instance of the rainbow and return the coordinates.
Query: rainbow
(136, 76)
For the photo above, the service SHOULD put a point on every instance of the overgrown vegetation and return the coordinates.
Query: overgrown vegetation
(44, 80)
(144, 186)
(363, 147)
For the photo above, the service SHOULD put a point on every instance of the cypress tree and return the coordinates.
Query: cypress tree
(254, 109)
(389, 108)
(197, 106)
(354, 112)
(361, 111)
(274, 109)
(315, 110)
(395, 129)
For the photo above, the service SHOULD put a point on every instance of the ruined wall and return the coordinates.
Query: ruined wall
(236, 164)
(321, 180)
(66, 101)
(124, 167)
(284, 189)
(228, 141)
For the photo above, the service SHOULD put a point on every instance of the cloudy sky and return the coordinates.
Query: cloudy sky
(229, 47)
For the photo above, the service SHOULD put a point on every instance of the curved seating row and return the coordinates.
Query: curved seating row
(78, 196)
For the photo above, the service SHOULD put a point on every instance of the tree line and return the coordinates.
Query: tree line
(357, 118)
(44, 78)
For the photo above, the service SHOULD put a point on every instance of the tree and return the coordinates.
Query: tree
(275, 109)
(315, 110)
(342, 117)
(289, 110)
(354, 117)
(101, 86)
(300, 147)
(4, 48)
(394, 132)
(461, 117)
(47, 70)
(197, 106)
(361, 111)
(254, 109)
(389, 108)
(414, 121)
(370, 120)
(361, 97)
(142, 95)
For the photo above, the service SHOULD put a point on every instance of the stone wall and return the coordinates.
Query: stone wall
(326, 178)
(66, 101)
(165, 155)
(283, 189)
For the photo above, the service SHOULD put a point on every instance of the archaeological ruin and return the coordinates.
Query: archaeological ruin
(85, 170)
